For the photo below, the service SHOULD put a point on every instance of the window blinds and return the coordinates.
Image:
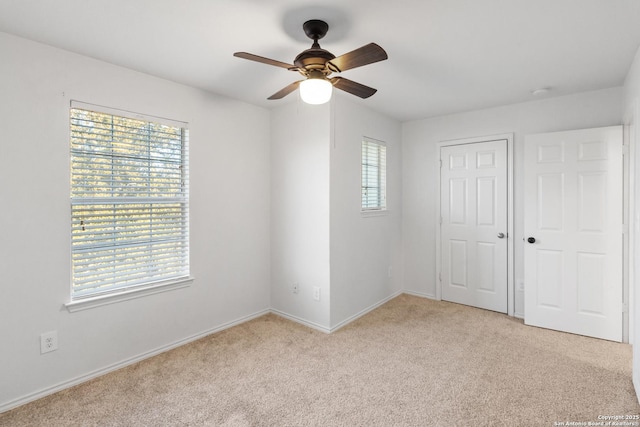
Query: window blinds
(129, 202)
(374, 171)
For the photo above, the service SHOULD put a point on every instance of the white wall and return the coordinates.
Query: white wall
(419, 139)
(318, 235)
(362, 247)
(300, 212)
(230, 228)
(632, 119)
(274, 200)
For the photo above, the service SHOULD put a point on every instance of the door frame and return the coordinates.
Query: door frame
(510, 225)
(629, 238)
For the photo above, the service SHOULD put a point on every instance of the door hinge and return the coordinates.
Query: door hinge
(625, 150)
(625, 307)
(440, 220)
(440, 163)
(440, 277)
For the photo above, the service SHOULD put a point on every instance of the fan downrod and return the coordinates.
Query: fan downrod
(315, 29)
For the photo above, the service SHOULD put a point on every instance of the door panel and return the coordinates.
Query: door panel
(550, 208)
(573, 210)
(486, 260)
(458, 266)
(458, 201)
(486, 201)
(549, 272)
(473, 211)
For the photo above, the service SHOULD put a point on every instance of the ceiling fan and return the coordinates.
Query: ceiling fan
(317, 64)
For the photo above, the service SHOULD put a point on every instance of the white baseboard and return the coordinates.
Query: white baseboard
(345, 322)
(302, 321)
(420, 294)
(119, 365)
(365, 311)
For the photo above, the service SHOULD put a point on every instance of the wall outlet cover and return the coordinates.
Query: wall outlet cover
(48, 342)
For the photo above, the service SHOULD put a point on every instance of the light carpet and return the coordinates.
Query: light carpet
(411, 362)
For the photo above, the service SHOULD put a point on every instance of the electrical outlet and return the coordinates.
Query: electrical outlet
(520, 284)
(48, 342)
(295, 288)
(316, 293)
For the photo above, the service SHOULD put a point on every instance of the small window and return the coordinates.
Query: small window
(129, 201)
(374, 175)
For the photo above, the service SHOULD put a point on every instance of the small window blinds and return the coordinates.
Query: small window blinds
(374, 171)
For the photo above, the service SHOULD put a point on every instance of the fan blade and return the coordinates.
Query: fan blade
(356, 58)
(252, 57)
(352, 87)
(285, 90)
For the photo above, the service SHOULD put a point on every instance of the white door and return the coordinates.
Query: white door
(573, 231)
(473, 230)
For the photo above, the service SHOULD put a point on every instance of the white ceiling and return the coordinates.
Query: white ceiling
(445, 56)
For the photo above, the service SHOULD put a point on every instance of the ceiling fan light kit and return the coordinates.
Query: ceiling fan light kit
(316, 64)
(316, 91)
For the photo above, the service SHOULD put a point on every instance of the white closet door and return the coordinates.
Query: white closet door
(573, 231)
(473, 230)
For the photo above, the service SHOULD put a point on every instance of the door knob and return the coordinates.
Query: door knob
(500, 235)
(531, 240)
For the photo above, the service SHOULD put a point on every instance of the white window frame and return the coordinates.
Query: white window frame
(374, 157)
(175, 197)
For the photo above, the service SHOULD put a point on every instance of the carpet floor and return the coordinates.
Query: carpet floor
(411, 362)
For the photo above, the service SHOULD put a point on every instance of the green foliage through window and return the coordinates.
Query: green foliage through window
(129, 202)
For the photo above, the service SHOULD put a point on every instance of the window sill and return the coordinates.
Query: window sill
(98, 301)
(370, 213)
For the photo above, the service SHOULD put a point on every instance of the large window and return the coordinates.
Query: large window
(129, 201)
(374, 175)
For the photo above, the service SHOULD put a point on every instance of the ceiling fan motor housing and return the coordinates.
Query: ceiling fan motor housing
(313, 59)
